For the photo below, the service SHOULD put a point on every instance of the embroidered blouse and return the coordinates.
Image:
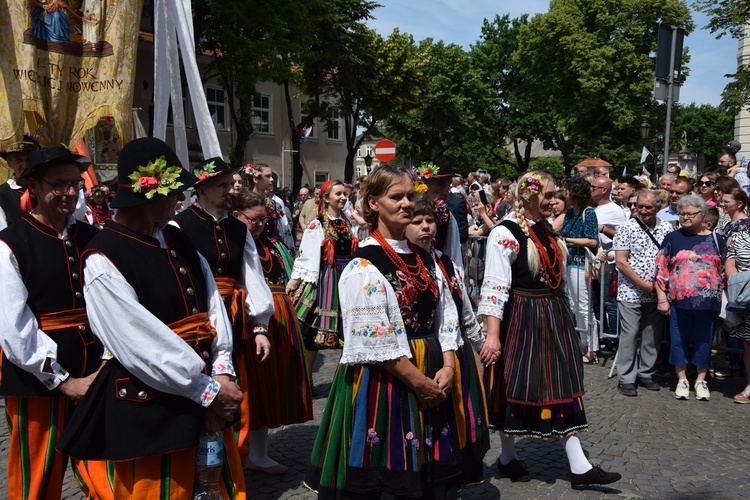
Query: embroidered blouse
(310, 255)
(375, 329)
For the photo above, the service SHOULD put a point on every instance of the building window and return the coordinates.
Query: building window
(217, 107)
(262, 114)
(321, 177)
(334, 128)
(359, 152)
(368, 150)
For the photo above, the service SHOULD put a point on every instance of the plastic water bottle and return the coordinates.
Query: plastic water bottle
(208, 459)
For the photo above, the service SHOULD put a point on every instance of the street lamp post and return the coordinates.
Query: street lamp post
(368, 162)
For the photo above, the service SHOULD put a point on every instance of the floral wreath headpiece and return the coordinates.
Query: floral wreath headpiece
(98, 190)
(419, 186)
(532, 182)
(157, 177)
(205, 172)
(253, 172)
(428, 170)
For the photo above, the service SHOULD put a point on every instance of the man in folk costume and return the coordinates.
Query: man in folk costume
(153, 302)
(50, 355)
(230, 251)
(15, 200)
(438, 180)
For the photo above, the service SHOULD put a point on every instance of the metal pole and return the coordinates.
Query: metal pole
(670, 99)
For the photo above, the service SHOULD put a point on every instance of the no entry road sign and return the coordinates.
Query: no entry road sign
(385, 150)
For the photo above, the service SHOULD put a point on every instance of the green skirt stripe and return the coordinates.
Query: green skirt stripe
(24, 446)
(166, 469)
(49, 457)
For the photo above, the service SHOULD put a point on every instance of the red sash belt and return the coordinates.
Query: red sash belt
(71, 318)
(235, 296)
(194, 329)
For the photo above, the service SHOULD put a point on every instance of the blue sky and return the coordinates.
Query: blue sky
(460, 22)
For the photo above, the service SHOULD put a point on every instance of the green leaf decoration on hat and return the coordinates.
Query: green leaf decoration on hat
(157, 177)
(206, 171)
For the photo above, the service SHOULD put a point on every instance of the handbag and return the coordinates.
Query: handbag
(738, 293)
(613, 283)
(595, 265)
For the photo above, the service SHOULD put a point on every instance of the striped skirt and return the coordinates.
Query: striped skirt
(536, 386)
(317, 307)
(279, 390)
(470, 408)
(375, 437)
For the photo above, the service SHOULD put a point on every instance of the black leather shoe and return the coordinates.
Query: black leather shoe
(648, 384)
(627, 389)
(514, 470)
(595, 476)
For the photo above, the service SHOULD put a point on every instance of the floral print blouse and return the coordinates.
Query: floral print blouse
(376, 314)
(690, 267)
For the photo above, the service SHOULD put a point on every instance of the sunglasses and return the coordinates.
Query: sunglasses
(704, 183)
(631, 204)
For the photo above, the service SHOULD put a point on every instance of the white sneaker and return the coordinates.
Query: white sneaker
(701, 391)
(682, 391)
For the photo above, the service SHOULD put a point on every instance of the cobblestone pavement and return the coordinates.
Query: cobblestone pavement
(663, 448)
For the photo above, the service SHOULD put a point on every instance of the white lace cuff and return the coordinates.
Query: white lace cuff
(373, 354)
(304, 274)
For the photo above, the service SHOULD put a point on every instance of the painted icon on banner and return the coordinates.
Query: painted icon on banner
(75, 27)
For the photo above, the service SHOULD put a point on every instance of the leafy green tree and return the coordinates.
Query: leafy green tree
(523, 110)
(552, 164)
(455, 119)
(373, 79)
(728, 17)
(593, 57)
(702, 129)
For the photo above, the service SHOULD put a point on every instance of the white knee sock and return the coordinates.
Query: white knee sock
(508, 449)
(259, 448)
(579, 464)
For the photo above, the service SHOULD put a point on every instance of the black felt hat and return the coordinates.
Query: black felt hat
(148, 170)
(56, 155)
(208, 169)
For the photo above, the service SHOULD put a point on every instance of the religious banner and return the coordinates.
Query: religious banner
(64, 64)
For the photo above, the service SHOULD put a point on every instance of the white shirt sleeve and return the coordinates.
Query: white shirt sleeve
(472, 329)
(25, 345)
(502, 251)
(259, 301)
(143, 344)
(446, 317)
(373, 327)
(3, 220)
(453, 244)
(307, 264)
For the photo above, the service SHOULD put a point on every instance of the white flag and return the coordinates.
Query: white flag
(645, 154)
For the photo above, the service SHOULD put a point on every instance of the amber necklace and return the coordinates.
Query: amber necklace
(413, 272)
(554, 269)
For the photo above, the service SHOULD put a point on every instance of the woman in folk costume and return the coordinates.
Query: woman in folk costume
(534, 374)
(468, 396)
(388, 429)
(279, 391)
(97, 209)
(326, 247)
(260, 177)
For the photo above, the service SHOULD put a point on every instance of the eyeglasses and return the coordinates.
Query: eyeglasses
(688, 215)
(631, 204)
(59, 188)
(704, 183)
(255, 222)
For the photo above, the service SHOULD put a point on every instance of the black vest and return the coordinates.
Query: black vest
(51, 271)
(10, 202)
(522, 277)
(221, 243)
(121, 417)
